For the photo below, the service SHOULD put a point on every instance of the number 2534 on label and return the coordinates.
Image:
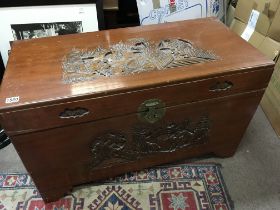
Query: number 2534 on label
(14, 99)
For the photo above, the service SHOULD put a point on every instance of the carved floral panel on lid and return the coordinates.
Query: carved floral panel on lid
(134, 56)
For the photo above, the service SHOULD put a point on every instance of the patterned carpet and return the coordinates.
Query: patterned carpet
(175, 187)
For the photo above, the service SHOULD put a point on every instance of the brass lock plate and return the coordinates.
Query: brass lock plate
(151, 110)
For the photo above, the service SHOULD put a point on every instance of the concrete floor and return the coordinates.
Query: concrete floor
(252, 175)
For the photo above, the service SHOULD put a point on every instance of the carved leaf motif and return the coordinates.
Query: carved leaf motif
(107, 146)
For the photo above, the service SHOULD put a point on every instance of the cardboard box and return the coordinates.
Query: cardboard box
(256, 39)
(271, 100)
(266, 37)
(266, 9)
(239, 27)
(270, 48)
(274, 30)
(230, 15)
(267, 23)
(270, 108)
(243, 10)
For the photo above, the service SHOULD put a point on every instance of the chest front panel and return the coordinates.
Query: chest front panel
(96, 150)
(122, 104)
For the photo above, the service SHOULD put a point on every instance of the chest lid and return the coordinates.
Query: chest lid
(58, 69)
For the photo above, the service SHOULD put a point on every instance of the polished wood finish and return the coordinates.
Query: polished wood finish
(66, 151)
(40, 68)
(61, 151)
(102, 107)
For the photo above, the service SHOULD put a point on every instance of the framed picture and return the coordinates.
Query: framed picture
(43, 18)
(2, 68)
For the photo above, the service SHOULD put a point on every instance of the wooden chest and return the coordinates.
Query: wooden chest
(85, 107)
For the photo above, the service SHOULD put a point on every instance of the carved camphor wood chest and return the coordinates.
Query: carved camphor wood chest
(85, 107)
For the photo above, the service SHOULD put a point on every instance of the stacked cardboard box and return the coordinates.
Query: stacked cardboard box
(265, 35)
(271, 100)
(229, 13)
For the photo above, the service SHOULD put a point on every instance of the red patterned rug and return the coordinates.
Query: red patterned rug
(178, 187)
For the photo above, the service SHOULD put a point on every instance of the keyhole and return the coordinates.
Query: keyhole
(153, 111)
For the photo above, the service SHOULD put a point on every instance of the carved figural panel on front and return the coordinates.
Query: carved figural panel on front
(134, 56)
(144, 140)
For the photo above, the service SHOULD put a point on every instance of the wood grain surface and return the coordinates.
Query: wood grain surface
(61, 152)
(61, 158)
(46, 117)
(34, 71)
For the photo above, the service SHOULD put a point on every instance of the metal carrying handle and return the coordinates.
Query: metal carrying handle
(73, 113)
(221, 86)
